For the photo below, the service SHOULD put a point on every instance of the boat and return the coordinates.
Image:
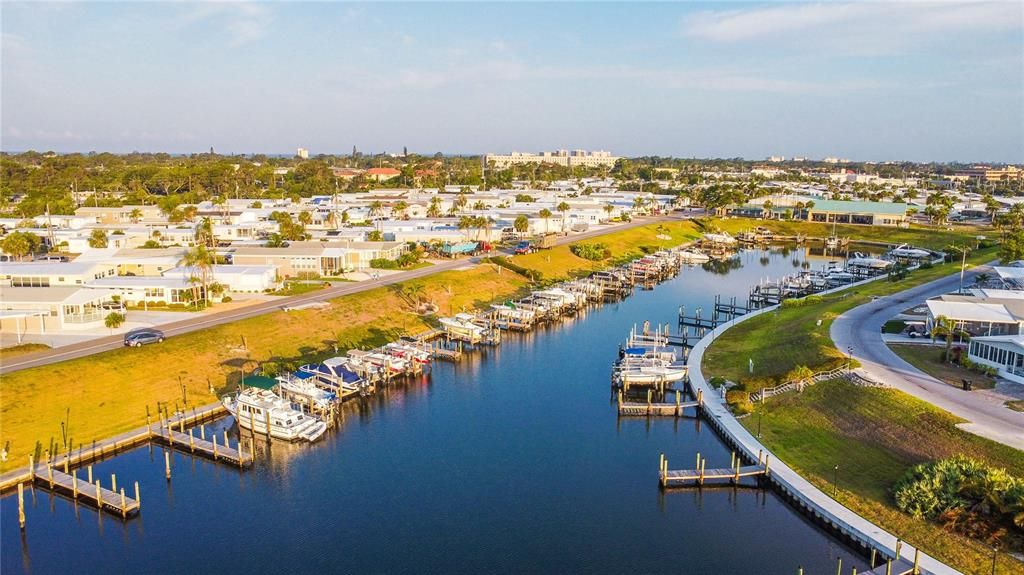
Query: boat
(336, 373)
(462, 325)
(651, 371)
(719, 238)
(860, 260)
(408, 352)
(513, 311)
(692, 256)
(905, 251)
(380, 361)
(301, 388)
(256, 409)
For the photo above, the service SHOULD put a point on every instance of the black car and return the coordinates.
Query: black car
(142, 337)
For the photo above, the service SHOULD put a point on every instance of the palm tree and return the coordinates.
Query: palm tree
(201, 260)
(204, 233)
(98, 239)
(376, 207)
(305, 218)
(521, 224)
(113, 320)
(400, 207)
(945, 327)
(608, 209)
(545, 214)
(135, 215)
(803, 376)
(562, 208)
(434, 210)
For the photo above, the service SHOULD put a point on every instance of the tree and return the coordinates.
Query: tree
(766, 211)
(305, 218)
(98, 239)
(204, 233)
(400, 207)
(521, 224)
(135, 215)
(545, 214)
(1011, 248)
(113, 320)
(20, 244)
(562, 208)
(803, 375)
(376, 207)
(275, 240)
(375, 236)
(524, 199)
(201, 261)
(608, 209)
(434, 210)
(945, 327)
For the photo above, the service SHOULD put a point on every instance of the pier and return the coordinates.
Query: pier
(700, 474)
(94, 494)
(650, 409)
(189, 443)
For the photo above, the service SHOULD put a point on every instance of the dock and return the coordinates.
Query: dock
(700, 474)
(86, 491)
(652, 409)
(189, 443)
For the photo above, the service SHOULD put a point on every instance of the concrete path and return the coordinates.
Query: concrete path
(861, 329)
(108, 343)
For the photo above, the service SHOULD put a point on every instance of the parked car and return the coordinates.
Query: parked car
(523, 247)
(142, 337)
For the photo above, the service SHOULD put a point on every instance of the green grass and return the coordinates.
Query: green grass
(559, 263)
(299, 287)
(894, 326)
(780, 340)
(929, 360)
(875, 435)
(919, 236)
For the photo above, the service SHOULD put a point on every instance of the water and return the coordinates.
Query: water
(511, 461)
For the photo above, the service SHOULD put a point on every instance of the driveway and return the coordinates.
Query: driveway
(861, 329)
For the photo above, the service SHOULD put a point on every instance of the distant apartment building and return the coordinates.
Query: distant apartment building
(302, 153)
(561, 157)
(776, 159)
(989, 174)
(382, 174)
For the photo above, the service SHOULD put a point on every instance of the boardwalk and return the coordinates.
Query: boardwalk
(189, 443)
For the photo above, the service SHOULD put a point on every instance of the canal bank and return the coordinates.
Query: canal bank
(510, 461)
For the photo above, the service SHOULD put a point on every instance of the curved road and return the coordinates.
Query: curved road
(203, 321)
(861, 329)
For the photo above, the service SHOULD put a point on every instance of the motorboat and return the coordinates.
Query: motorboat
(462, 325)
(408, 352)
(301, 388)
(336, 373)
(692, 256)
(381, 361)
(905, 251)
(719, 238)
(263, 412)
(860, 260)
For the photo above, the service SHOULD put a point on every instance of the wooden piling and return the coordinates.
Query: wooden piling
(191, 441)
(21, 505)
(167, 464)
(49, 474)
(113, 482)
(917, 561)
(137, 498)
(74, 483)
(99, 495)
(874, 553)
(839, 567)
(215, 447)
(202, 431)
(89, 469)
(124, 505)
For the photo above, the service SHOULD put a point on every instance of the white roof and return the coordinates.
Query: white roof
(1009, 272)
(223, 270)
(140, 281)
(67, 295)
(970, 311)
(49, 268)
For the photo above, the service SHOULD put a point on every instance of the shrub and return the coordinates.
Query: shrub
(716, 381)
(507, 264)
(226, 299)
(593, 252)
(737, 396)
(383, 264)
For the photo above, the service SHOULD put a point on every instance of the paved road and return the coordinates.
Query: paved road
(203, 321)
(861, 329)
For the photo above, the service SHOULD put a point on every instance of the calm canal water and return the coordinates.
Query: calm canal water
(511, 461)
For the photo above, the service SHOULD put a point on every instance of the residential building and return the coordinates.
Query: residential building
(989, 174)
(46, 309)
(52, 274)
(382, 174)
(302, 153)
(1002, 352)
(560, 157)
(315, 259)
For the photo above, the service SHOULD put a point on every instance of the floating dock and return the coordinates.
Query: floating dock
(651, 409)
(700, 474)
(86, 491)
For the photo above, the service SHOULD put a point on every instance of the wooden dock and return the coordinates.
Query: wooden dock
(651, 409)
(700, 474)
(93, 494)
(212, 449)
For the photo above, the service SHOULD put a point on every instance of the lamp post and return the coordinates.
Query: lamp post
(835, 481)
(760, 416)
(849, 358)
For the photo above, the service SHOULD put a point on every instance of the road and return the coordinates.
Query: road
(202, 321)
(861, 329)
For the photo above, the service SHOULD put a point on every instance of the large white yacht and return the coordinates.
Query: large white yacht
(253, 408)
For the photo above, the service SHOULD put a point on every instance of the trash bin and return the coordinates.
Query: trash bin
(966, 384)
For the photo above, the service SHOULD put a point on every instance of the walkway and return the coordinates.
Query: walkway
(100, 345)
(861, 329)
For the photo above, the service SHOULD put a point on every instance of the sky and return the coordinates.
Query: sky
(870, 81)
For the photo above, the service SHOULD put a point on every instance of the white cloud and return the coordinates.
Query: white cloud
(861, 26)
(243, 21)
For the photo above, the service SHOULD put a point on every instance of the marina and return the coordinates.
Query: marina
(489, 390)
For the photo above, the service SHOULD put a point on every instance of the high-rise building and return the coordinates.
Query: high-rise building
(561, 157)
(302, 153)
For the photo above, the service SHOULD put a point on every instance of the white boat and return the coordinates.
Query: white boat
(462, 325)
(254, 409)
(905, 251)
(301, 388)
(653, 372)
(505, 311)
(719, 238)
(379, 360)
(692, 256)
(408, 352)
(336, 373)
(860, 260)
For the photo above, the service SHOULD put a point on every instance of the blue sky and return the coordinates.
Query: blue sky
(869, 81)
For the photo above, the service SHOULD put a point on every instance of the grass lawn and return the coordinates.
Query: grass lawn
(929, 360)
(919, 236)
(108, 392)
(21, 349)
(299, 287)
(780, 340)
(559, 263)
(875, 435)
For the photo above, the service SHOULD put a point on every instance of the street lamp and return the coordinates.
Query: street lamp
(760, 416)
(835, 481)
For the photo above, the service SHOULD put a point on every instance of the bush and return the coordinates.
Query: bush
(798, 302)
(716, 381)
(737, 396)
(383, 264)
(507, 264)
(961, 492)
(593, 252)
(225, 299)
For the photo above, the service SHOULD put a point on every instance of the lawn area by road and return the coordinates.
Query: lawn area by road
(108, 393)
(559, 263)
(780, 340)
(875, 435)
(928, 359)
(919, 236)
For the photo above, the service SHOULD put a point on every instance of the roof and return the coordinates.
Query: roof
(50, 268)
(1009, 272)
(260, 381)
(1003, 341)
(223, 270)
(851, 207)
(383, 172)
(970, 311)
(140, 281)
(68, 295)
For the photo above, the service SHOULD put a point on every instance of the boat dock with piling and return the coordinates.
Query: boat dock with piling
(84, 490)
(650, 409)
(700, 474)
